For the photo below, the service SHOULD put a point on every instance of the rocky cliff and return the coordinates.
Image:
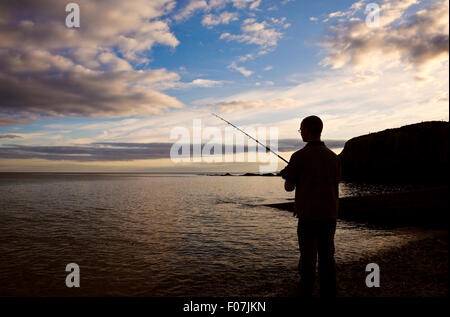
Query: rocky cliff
(416, 153)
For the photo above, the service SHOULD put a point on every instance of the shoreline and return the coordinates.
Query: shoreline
(419, 207)
(419, 268)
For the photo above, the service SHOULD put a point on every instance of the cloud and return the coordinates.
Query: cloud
(120, 151)
(351, 104)
(281, 21)
(78, 92)
(240, 69)
(190, 9)
(255, 4)
(407, 35)
(291, 145)
(198, 83)
(206, 6)
(242, 4)
(32, 24)
(206, 82)
(9, 136)
(246, 57)
(354, 8)
(211, 20)
(348, 105)
(47, 69)
(228, 106)
(258, 33)
(88, 153)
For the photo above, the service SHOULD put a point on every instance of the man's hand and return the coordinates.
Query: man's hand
(289, 186)
(282, 173)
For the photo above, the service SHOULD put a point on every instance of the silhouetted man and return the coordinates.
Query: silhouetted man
(314, 172)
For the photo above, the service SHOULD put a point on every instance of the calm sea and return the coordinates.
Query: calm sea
(158, 235)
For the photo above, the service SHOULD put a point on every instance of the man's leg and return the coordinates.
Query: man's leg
(327, 268)
(308, 256)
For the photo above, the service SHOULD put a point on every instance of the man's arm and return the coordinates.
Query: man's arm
(289, 186)
(290, 174)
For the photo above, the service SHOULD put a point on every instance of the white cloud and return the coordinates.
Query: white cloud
(241, 4)
(78, 72)
(255, 4)
(210, 20)
(349, 107)
(259, 33)
(246, 57)
(409, 36)
(355, 7)
(190, 9)
(206, 82)
(194, 6)
(240, 69)
(281, 22)
(197, 83)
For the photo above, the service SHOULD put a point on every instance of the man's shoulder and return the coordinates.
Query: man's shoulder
(297, 154)
(311, 150)
(330, 151)
(321, 150)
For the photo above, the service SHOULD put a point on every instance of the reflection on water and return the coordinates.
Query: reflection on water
(156, 235)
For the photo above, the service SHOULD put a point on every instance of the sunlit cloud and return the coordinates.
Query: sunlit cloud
(115, 151)
(133, 72)
(194, 6)
(76, 73)
(253, 32)
(417, 38)
(9, 136)
(345, 97)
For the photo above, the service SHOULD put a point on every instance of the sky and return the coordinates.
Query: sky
(106, 96)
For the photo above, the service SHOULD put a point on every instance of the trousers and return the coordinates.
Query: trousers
(316, 239)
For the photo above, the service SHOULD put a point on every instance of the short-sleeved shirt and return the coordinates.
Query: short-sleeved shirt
(316, 172)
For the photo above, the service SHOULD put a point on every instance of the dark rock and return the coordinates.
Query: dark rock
(416, 153)
(256, 174)
(419, 207)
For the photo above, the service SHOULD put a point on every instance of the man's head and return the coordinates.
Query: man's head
(311, 128)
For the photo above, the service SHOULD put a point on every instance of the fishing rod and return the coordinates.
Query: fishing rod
(267, 148)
